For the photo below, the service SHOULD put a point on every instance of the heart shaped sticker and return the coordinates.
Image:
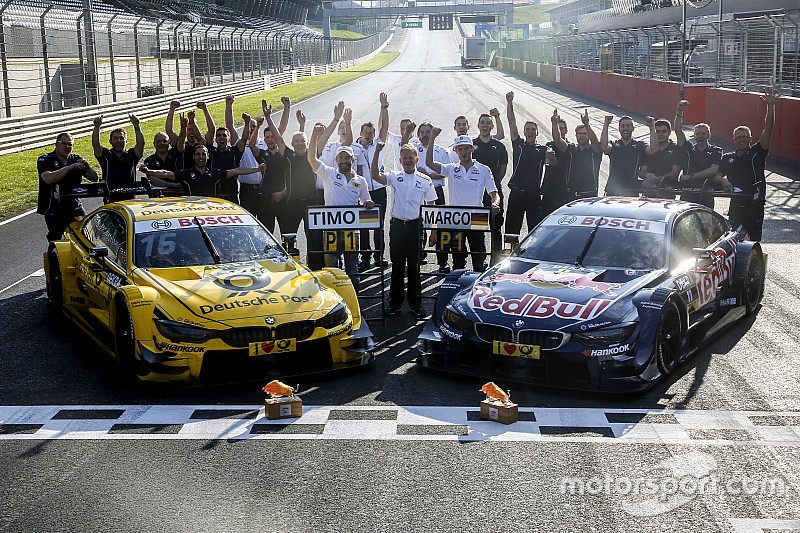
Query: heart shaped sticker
(509, 348)
(267, 346)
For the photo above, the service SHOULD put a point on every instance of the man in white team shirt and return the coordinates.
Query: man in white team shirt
(467, 180)
(364, 150)
(440, 155)
(411, 189)
(342, 187)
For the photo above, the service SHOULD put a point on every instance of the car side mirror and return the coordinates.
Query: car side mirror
(99, 254)
(702, 258)
(512, 239)
(289, 240)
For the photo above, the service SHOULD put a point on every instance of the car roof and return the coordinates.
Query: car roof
(654, 209)
(161, 208)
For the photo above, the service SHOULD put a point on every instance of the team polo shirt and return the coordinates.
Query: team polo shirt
(699, 160)
(467, 185)
(187, 156)
(276, 171)
(226, 160)
(440, 155)
(493, 154)
(47, 202)
(171, 162)
(410, 192)
(623, 170)
(364, 155)
(118, 170)
(302, 180)
(202, 183)
(584, 169)
(747, 171)
(341, 190)
(331, 150)
(661, 162)
(395, 141)
(555, 175)
(528, 165)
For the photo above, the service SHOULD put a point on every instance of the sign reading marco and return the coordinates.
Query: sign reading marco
(455, 218)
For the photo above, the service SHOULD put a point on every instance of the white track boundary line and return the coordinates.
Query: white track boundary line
(39, 272)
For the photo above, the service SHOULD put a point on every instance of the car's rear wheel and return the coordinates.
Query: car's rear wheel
(125, 343)
(754, 277)
(669, 339)
(55, 284)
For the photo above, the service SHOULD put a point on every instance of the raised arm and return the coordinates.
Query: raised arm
(173, 139)
(247, 128)
(229, 118)
(328, 131)
(181, 141)
(347, 116)
(558, 141)
(374, 171)
(138, 148)
(278, 137)
(604, 144)
(501, 134)
(311, 153)
(407, 133)
(678, 123)
(652, 147)
(301, 120)
(287, 107)
(769, 121)
(192, 127)
(211, 128)
(512, 119)
(429, 162)
(96, 146)
(383, 118)
(592, 134)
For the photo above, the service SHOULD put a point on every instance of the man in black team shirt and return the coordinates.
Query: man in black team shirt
(492, 153)
(700, 161)
(744, 169)
(274, 189)
(661, 164)
(63, 170)
(554, 182)
(119, 163)
(529, 157)
(626, 155)
(583, 158)
(200, 180)
(165, 157)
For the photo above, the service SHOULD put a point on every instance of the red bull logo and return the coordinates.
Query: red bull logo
(534, 306)
(571, 280)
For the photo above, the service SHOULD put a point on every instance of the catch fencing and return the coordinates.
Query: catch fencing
(59, 56)
(744, 52)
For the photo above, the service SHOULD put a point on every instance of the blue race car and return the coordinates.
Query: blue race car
(606, 294)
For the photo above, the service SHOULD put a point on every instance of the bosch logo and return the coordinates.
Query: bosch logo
(519, 323)
(567, 220)
(161, 224)
(269, 320)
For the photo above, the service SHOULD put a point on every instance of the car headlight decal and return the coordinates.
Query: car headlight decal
(179, 332)
(605, 336)
(336, 317)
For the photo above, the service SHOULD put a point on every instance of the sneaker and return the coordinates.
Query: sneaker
(444, 269)
(391, 311)
(420, 312)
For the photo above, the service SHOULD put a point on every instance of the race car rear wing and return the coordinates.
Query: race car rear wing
(100, 189)
(667, 191)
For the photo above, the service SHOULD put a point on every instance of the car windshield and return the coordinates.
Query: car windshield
(186, 246)
(608, 247)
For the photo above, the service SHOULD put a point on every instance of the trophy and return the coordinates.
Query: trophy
(497, 406)
(282, 402)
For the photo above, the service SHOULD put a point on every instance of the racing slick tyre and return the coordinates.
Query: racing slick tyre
(754, 277)
(125, 343)
(669, 339)
(55, 285)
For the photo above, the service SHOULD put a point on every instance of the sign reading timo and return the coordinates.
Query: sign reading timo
(343, 218)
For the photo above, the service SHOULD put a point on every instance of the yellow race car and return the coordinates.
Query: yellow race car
(195, 290)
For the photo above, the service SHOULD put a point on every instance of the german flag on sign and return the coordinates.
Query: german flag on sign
(480, 219)
(368, 217)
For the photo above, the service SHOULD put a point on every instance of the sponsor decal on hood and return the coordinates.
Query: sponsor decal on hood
(535, 306)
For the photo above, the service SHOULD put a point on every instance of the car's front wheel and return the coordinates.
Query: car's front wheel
(669, 339)
(125, 343)
(754, 277)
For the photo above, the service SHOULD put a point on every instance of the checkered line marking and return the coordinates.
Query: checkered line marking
(239, 422)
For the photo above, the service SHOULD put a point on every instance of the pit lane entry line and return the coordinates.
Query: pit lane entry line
(540, 425)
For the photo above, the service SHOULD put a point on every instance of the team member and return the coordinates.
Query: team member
(411, 189)
(175, 140)
(440, 155)
(118, 164)
(701, 161)
(744, 169)
(342, 187)
(584, 160)
(224, 155)
(554, 183)
(529, 158)
(200, 180)
(63, 170)
(391, 139)
(469, 180)
(661, 163)
(273, 189)
(493, 154)
(461, 127)
(626, 155)
(165, 157)
(364, 148)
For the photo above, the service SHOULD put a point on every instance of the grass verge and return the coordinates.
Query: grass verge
(20, 182)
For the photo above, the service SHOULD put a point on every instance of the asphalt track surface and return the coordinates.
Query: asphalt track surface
(398, 448)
